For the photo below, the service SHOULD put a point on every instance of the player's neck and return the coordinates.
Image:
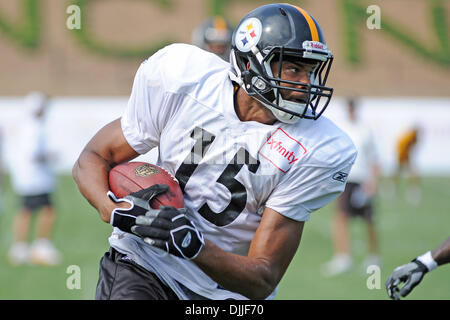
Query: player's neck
(249, 109)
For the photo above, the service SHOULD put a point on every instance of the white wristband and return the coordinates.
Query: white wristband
(428, 260)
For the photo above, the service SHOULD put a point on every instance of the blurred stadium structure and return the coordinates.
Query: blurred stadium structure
(74, 120)
(400, 73)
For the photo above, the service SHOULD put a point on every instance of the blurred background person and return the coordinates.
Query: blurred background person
(214, 35)
(405, 147)
(34, 181)
(358, 198)
(2, 180)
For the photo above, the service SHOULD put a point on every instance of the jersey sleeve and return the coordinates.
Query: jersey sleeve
(309, 188)
(148, 107)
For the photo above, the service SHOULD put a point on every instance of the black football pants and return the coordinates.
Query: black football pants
(122, 279)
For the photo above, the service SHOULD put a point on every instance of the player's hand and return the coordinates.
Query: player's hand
(411, 274)
(125, 218)
(169, 229)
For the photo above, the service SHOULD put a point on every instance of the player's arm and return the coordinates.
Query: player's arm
(106, 149)
(442, 253)
(255, 276)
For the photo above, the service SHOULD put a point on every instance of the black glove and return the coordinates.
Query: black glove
(411, 274)
(169, 229)
(139, 201)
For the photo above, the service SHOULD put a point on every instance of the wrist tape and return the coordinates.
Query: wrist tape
(428, 260)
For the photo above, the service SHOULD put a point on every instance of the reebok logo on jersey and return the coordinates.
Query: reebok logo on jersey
(282, 150)
(340, 176)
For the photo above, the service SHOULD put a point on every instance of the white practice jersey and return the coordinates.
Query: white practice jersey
(31, 174)
(229, 170)
(362, 137)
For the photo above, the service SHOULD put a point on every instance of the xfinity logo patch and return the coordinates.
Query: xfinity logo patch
(340, 176)
(282, 150)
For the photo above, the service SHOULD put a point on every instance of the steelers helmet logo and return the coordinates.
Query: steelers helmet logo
(248, 34)
(145, 170)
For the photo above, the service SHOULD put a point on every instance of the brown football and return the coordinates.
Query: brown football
(129, 177)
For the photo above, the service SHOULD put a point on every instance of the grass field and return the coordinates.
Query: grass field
(405, 231)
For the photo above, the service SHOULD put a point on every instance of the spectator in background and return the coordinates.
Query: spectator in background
(34, 180)
(1, 173)
(357, 199)
(405, 146)
(214, 35)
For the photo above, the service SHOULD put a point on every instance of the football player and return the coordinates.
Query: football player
(33, 178)
(406, 143)
(1, 172)
(411, 274)
(249, 148)
(214, 35)
(357, 200)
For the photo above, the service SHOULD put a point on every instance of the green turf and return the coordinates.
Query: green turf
(78, 233)
(405, 231)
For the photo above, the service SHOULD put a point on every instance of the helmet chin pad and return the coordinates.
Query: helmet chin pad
(287, 117)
